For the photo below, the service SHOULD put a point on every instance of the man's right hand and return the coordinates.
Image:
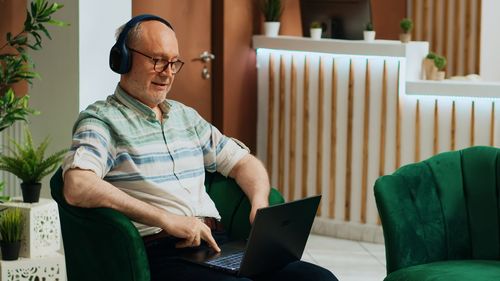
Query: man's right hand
(191, 230)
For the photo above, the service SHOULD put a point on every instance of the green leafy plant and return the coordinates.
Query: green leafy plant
(440, 62)
(18, 66)
(11, 225)
(406, 25)
(431, 55)
(28, 162)
(315, 24)
(272, 9)
(369, 27)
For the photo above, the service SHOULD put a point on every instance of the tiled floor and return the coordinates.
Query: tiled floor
(348, 260)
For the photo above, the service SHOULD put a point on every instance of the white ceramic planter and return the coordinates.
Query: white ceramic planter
(316, 33)
(271, 28)
(369, 35)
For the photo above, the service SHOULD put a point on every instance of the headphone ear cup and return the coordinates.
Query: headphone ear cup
(119, 59)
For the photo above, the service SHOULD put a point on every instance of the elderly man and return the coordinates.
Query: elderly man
(146, 156)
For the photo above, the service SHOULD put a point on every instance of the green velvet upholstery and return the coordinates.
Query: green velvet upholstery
(103, 244)
(441, 217)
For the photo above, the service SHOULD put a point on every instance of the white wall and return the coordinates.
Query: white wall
(490, 41)
(74, 68)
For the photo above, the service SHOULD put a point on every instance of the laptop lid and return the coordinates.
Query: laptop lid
(278, 236)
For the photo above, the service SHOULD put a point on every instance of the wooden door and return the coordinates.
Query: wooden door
(191, 20)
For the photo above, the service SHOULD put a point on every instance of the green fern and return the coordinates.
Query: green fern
(11, 225)
(272, 9)
(28, 162)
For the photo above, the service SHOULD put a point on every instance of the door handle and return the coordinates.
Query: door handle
(205, 57)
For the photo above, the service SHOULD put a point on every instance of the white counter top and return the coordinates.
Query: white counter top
(454, 88)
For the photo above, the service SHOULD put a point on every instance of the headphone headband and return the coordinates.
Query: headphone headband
(119, 57)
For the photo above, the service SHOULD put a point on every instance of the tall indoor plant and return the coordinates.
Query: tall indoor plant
(29, 164)
(11, 226)
(16, 65)
(272, 10)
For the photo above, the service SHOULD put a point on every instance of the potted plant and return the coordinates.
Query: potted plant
(406, 25)
(272, 10)
(369, 33)
(440, 63)
(315, 30)
(29, 164)
(428, 66)
(11, 226)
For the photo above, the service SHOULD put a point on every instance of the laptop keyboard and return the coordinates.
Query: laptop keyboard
(231, 262)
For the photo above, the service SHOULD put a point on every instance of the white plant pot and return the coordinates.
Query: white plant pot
(316, 33)
(369, 35)
(271, 28)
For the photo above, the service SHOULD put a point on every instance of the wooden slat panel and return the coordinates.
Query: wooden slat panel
(472, 124)
(366, 126)
(293, 131)
(478, 37)
(350, 106)
(305, 130)
(435, 146)
(446, 30)
(453, 126)
(425, 22)
(414, 9)
(398, 122)
(492, 125)
(333, 151)
(435, 24)
(417, 132)
(456, 37)
(270, 116)
(468, 35)
(319, 140)
(281, 128)
(383, 122)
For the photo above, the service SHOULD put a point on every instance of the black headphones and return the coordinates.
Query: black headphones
(120, 60)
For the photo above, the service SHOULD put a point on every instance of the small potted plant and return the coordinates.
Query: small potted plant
(272, 10)
(30, 165)
(315, 30)
(406, 25)
(440, 63)
(428, 66)
(369, 33)
(11, 226)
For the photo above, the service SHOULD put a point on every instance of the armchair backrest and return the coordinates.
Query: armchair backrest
(444, 208)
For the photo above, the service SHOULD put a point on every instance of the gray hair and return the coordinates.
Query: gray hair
(133, 35)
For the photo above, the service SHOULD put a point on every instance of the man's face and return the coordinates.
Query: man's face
(143, 82)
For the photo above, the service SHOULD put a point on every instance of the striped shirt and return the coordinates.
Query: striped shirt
(161, 163)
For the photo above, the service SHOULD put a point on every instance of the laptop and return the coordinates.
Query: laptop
(277, 238)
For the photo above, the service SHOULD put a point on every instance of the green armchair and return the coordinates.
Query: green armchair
(441, 217)
(103, 244)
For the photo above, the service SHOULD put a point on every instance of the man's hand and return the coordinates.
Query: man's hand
(192, 230)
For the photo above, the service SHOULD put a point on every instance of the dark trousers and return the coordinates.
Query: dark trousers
(165, 266)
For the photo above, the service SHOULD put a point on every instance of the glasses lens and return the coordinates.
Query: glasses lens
(176, 66)
(161, 65)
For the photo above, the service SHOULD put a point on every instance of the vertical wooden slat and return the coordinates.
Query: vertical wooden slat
(348, 173)
(453, 126)
(333, 151)
(366, 126)
(398, 121)
(417, 132)
(305, 131)
(414, 9)
(435, 146)
(468, 37)
(478, 37)
(270, 116)
(281, 128)
(492, 125)
(472, 124)
(446, 17)
(383, 122)
(319, 140)
(436, 24)
(457, 37)
(293, 134)
(425, 21)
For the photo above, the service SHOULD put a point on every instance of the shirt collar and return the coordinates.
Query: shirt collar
(136, 105)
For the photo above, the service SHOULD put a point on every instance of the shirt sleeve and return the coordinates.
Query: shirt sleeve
(220, 153)
(91, 148)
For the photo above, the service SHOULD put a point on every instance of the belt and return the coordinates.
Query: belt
(212, 223)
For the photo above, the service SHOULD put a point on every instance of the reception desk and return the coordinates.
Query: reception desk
(334, 115)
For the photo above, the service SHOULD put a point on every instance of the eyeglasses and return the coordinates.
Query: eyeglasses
(161, 65)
